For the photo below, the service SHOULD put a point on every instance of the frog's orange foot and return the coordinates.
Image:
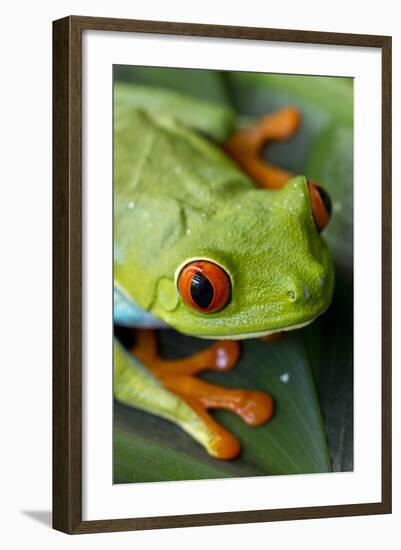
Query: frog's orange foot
(245, 146)
(177, 375)
(221, 356)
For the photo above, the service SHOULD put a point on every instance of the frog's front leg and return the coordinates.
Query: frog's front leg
(136, 386)
(245, 146)
(178, 377)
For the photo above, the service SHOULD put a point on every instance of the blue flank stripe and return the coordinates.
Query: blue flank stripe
(129, 314)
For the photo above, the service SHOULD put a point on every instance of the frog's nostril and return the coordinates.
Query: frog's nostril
(303, 293)
(292, 295)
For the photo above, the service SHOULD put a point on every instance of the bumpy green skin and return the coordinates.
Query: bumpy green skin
(178, 198)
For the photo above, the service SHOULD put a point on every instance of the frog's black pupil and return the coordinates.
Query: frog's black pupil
(325, 199)
(201, 291)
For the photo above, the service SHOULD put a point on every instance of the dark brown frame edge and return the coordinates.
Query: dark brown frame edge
(67, 274)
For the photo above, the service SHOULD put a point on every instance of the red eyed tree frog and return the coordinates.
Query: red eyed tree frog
(211, 241)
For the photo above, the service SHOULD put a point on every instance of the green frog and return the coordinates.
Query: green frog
(212, 241)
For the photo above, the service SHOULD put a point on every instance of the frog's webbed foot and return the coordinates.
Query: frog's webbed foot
(245, 146)
(178, 376)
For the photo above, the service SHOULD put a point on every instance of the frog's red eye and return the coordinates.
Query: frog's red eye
(204, 286)
(321, 205)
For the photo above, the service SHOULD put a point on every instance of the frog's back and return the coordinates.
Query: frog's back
(167, 176)
(167, 144)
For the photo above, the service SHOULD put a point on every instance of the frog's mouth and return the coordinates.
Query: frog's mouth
(257, 334)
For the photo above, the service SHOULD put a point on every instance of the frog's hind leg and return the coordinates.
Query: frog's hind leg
(245, 146)
(178, 376)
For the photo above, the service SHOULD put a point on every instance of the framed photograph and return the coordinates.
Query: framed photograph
(222, 274)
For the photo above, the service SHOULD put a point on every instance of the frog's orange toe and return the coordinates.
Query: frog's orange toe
(256, 407)
(225, 355)
(224, 446)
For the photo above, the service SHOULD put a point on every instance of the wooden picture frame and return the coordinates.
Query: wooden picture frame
(67, 273)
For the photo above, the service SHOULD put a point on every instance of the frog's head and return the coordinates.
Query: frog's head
(257, 265)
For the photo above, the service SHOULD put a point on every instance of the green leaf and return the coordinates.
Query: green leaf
(335, 373)
(213, 120)
(147, 448)
(198, 83)
(330, 98)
